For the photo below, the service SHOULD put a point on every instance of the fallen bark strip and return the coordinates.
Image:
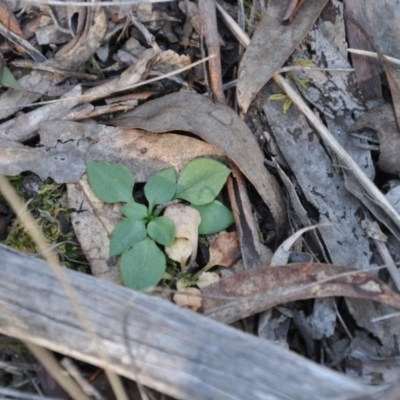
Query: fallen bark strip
(172, 350)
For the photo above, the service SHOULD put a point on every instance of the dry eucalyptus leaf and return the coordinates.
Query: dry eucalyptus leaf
(188, 298)
(373, 230)
(224, 250)
(392, 74)
(282, 253)
(170, 60)
(180, 251)
(138, 71)
(381, 21)
(382, 119)
(93, 223)
(8, 19)
(62, 155)
(393, 195)
(207, 278)
(271, 45)
(187, 221)
(76, 17)
(218, 125)
(299, 209)
(366, 68)
(191, 10)
(261, 289)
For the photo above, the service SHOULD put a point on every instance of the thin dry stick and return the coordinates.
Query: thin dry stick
(87, 98)
(387, 316)
(86, 386)
(373, 55)
(142, 392)
(48, 68)
(10, 35)
(210, 33)
(47, 358)
(327, 137)
(388, 261)
(17, 395)
(31, 228)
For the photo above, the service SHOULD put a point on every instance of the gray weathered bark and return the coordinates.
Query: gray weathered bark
(175, 351)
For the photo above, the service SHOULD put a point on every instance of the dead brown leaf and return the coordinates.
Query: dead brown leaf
(66, 145)
(254, 291)
(77, 17)
(224, 250)
(282, 253)
(218, 125)
(271, 45)
(93, 222)
(254, 253)
(366, 68)
(7, 18)
(382, 119)
(392, 74)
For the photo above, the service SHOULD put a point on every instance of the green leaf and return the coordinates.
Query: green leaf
(201, 180)
(134, 211)
(127, 233)
(215, 217)
(7, 79)
(142, 266)
(161, 187)
(286, 105)
(111, 183)
(278, 96)
(162, 230)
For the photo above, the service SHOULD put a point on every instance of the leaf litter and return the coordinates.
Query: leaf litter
(150, 139)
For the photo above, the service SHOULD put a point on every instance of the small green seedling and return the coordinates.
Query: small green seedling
(137, 237)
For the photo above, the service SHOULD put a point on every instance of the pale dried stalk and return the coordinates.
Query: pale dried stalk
(373, 55)
(32, 229)
(87, 98)
(51, 364)
(388, 261)
(86, 386)
(211, 37)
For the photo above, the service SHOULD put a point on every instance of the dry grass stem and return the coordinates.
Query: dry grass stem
(51, 364)
(31, 228)
(373, 55)
(89, 97)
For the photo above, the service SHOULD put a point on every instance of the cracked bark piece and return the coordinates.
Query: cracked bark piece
(321, 183)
